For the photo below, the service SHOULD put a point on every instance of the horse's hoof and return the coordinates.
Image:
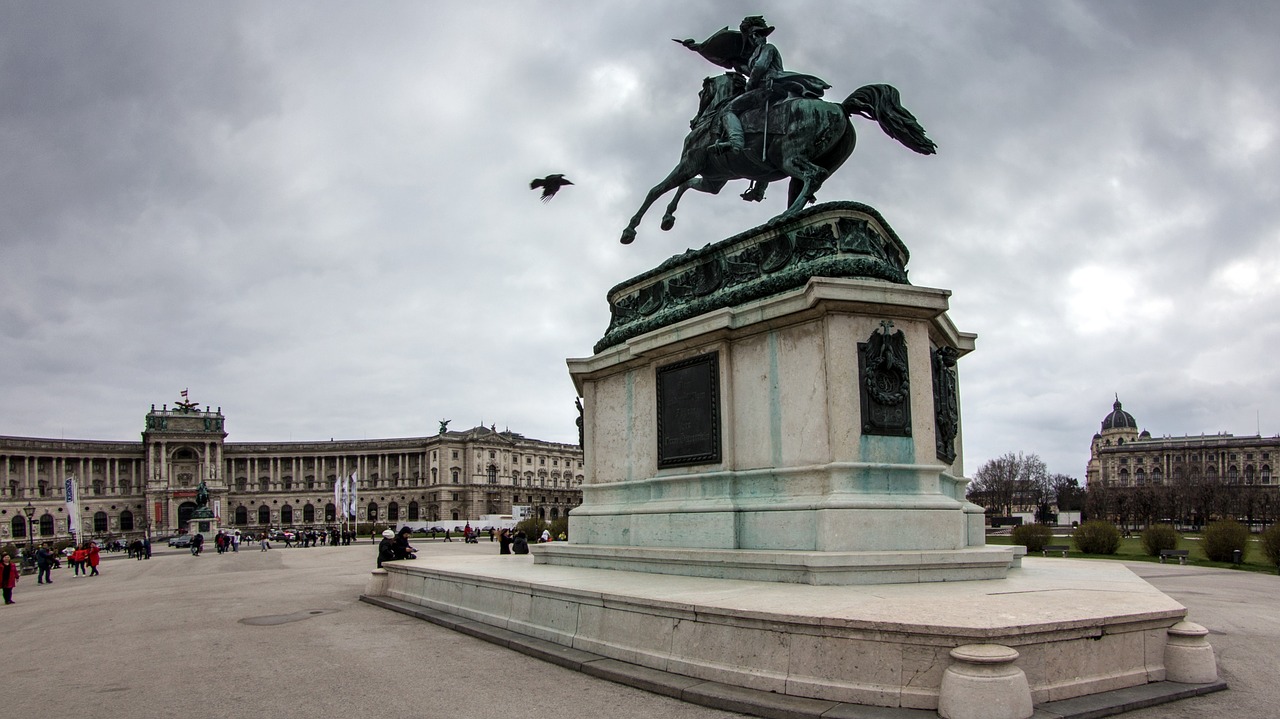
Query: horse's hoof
(628, 236)
(668, 222)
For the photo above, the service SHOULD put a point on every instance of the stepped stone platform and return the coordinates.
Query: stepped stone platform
(1080, 628)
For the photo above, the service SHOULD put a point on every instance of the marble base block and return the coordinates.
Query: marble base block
(1078, 627)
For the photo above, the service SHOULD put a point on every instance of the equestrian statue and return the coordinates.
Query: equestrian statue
(762, 123)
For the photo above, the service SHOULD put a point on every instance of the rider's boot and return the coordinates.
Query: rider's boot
(733, 139)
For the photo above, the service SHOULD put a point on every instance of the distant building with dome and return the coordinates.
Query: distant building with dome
(127, 488)
(1134, 476)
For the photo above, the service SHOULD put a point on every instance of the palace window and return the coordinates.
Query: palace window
(126, 521)
(455, 476)
(264, 515)
(100, 522)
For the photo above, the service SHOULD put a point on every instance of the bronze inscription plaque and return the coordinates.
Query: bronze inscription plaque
(689, 412)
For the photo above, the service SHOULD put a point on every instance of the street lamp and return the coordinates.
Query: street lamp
(30, 511)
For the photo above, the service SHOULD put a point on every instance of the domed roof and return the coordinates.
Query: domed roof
(1118, 419)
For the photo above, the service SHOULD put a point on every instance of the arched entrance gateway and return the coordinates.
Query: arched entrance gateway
(185, 510)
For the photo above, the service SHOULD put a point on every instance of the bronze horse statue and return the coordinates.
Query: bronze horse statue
(804, 139)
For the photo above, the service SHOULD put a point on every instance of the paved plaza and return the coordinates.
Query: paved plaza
(282, 634)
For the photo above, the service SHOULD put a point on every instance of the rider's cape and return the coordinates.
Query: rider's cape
(725, 48)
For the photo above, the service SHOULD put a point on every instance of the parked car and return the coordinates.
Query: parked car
(180, 541)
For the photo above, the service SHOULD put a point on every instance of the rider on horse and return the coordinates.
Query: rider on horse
(766, 81)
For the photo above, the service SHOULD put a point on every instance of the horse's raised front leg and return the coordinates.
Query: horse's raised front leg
(678, 176)
(701, 184)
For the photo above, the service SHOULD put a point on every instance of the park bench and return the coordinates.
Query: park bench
(1181, 554)
(1055, 548)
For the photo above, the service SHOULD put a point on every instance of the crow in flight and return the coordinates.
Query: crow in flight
(550, 185)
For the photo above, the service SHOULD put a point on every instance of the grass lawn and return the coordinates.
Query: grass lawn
(1131, 549)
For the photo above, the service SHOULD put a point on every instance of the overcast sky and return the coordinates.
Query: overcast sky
(316, 215)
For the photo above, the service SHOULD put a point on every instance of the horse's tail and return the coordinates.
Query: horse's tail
(880, 103)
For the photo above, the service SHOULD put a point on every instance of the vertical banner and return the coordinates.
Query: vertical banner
(339, 510)
(217, 510)
(352, 496)
(73, 506)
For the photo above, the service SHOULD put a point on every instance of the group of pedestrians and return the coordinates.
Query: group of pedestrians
(85, 558)
(513, 542)
(395, 546)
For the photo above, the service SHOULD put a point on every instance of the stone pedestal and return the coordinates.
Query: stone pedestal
(983, 683)
(775, 499)
(794, 469)
(1188, 658)
(208, 526)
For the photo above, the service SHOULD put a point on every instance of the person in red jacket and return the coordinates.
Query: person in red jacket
(9, 572)
(77, 559)
(93, 558)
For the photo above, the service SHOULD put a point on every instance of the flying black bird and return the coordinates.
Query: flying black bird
(550, 185)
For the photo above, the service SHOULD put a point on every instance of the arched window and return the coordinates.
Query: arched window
(264, 514)
(1266, 474)
(1233, 474)
(308, 514)
(1249, 474)
(393, 512)
(1124, 478)
(1139, 477)
(555, 513)
(242, 515)
(493, 474)
(126, 521)
(286, 514)
(18, 527)
(100, 522)
(1157, 477)
(330, 513)
(433, 475)
(46, 525)
(371, 513)
(455, 476)
(413, 511)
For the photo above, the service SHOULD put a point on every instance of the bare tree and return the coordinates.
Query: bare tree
(1011, 482)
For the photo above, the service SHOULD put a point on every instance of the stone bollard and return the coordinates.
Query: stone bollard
(1188, 658)
(983, 683)
(378, 583)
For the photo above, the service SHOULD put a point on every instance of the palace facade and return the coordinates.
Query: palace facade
(1135, 477)
(128, 488)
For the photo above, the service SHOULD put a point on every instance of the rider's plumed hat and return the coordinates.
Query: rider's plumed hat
(755, 24)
